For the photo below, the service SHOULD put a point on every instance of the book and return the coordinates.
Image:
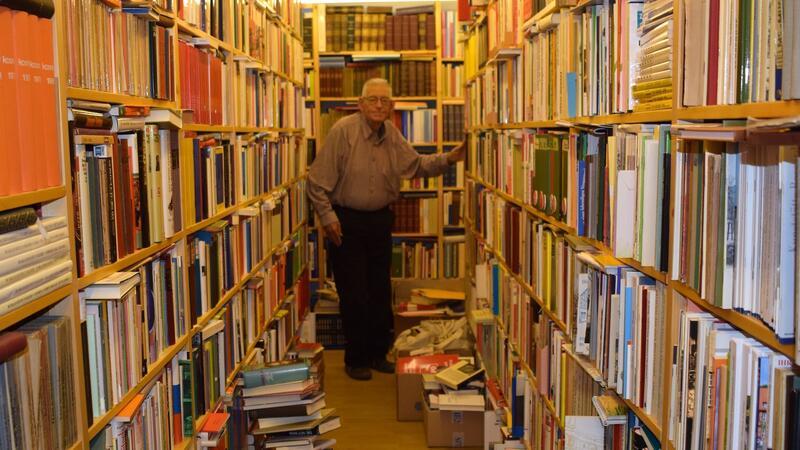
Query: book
(457, 374)
(275, 374)
(290, 387)
(297, 427)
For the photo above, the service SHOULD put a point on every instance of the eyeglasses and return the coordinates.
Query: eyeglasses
(373, 100)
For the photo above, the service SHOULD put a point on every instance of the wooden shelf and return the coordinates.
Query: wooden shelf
(414, 235)
(29, 309)
(746, 324)
(32, 198)
(122, 99)
(423, 144)
(396, 99)
(453, 60)
(419, 190)
(453, 101)
(451, 143)
(742, 111)
(452, 188)
(384, 54)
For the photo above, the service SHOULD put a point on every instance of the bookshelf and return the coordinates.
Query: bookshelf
(521, 60)
(276, 204)
(440, 58)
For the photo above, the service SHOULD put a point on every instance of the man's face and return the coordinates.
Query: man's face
(377, 104)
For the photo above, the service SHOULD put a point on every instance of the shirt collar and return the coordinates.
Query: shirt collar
(368, 132)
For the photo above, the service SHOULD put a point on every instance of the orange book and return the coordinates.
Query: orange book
(38, 127)
(23, 37)
(215, 423)
(10, 180)
(130, 410)
(52, 152)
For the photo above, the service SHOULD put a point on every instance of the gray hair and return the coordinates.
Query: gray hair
(376, 82)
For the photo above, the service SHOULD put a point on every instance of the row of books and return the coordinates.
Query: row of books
(219, 255)
(34, 256)
(729, 390)
(341, 78)
(416, 214)
(454, 254)
(453, 208)
(242, 25)
(728, 195)
(561, 173)
(494, 96)
(354, 28)
(419, 183)
(451, 34)
(414, 258)
(108, 57)
(37, 385)
(125, 188)
(453, 123)
(745, 53)
(415, 121)
(454, 177)
(227, 173)
(29, 104)
(452, 83)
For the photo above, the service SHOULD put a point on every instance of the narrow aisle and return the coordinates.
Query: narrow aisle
(368, 411)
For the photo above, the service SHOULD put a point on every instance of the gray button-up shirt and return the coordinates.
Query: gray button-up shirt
(361, 169)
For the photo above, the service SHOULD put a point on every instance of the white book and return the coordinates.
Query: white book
(470, 402)
(650, 202)
(50, 251)
(784, 309)
(42, 226)
(34, 279)
(626, 195)
(677, 219)
(114, 286)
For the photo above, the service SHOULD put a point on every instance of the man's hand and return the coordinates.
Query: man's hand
(457, 154)
(333, 231)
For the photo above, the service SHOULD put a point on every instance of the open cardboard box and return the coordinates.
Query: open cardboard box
(453, 428)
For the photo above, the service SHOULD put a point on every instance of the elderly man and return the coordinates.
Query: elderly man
(351, 184)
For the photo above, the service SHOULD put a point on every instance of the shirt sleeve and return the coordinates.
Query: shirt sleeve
(411, 164)
(323, 175)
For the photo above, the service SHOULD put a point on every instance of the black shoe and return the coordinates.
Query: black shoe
(382, 365)
(358, 373)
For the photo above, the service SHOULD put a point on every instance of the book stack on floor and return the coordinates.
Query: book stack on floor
(282, 405)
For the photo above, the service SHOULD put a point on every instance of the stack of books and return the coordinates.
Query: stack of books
(282, 405)
(427, 302)
(459, 387)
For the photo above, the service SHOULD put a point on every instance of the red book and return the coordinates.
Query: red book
(389, 33)
(49, 113)
(464, 10)
(11, 343)
(425, 363)
(24, 162)
(713, 52)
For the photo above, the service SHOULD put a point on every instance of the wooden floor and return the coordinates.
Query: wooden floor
(368, 411)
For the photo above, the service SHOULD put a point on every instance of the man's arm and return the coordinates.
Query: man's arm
(323, 176)
(414, 165)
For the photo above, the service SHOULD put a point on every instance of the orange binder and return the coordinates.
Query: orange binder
(52, 151)
(26, 149)
(10, 180)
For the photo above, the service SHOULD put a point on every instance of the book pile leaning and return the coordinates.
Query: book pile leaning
(282, 406)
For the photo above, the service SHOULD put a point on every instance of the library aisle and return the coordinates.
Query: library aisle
(368, 411)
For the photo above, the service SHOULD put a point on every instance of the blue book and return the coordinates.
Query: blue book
(276, 374)
(496, 289)
(572, 94)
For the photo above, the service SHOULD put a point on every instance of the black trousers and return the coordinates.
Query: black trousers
(362, 271)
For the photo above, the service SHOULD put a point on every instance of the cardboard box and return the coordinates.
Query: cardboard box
(453, 428)
(408, 375)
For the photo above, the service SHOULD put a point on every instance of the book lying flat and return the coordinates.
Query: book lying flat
(261, 375)
(458, 373)
(276, 401)
(470, 402)
(287, 410)
(261, 426)
(293, 387)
